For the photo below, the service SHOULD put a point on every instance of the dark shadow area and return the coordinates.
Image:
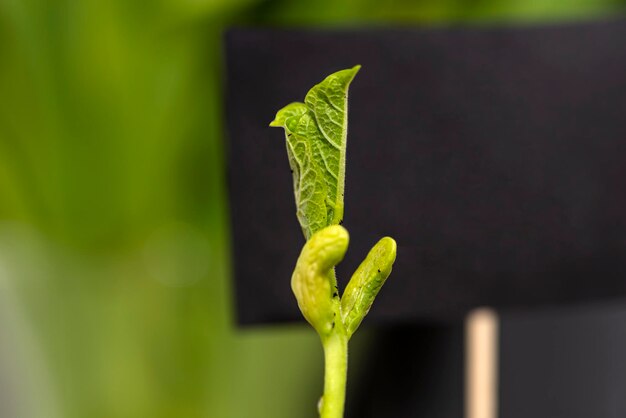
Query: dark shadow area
(410, 371)
(564, 363)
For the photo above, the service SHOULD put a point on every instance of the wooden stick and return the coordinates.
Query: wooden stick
(481, 364)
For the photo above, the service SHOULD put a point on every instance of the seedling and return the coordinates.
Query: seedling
(316, 133)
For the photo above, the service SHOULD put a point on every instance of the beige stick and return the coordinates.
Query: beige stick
(481, 364)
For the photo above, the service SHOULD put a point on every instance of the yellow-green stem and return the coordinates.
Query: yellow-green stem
(335, 376)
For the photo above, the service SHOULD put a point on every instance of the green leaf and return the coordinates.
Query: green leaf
(366, 282)
(316, 133)
(313, 281)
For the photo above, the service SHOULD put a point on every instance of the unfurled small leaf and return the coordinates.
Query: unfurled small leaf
(366, 282)
(316, 133)
(313, 281)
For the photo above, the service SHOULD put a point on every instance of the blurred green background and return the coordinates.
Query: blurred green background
(115, 293)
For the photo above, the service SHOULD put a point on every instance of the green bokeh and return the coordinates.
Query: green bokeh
(115, 298)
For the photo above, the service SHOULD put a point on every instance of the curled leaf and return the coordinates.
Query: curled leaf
(365, 283)
(316, 133)
(313, 281)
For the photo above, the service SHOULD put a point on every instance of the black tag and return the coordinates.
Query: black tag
(495, 157)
